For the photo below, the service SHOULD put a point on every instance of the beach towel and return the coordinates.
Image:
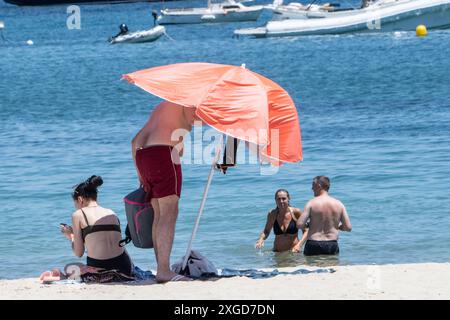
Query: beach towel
(105, 276)
(91, 275)
(262, 274)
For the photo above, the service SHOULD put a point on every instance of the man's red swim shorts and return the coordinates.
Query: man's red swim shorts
(160, 172)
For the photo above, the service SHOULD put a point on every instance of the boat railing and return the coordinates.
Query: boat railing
(179, 9)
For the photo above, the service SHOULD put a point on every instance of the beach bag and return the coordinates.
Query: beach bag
(197, 266)
(140, 219)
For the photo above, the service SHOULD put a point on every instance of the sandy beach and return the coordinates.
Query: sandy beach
(402, 281)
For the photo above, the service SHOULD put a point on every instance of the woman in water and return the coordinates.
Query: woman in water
(283, 220)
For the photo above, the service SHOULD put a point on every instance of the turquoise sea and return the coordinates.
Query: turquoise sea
(374, 112)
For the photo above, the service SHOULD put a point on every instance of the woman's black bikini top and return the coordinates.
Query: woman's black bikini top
(291, 228)
(96, 228)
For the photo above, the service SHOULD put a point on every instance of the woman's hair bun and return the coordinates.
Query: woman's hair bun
(95, 182)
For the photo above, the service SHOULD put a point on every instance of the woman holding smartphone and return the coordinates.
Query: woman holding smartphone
(96, 230)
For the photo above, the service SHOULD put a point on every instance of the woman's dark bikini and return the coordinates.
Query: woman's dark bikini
(291, 228)
(121, 263)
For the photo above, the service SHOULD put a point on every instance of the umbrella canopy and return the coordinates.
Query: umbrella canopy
(233, 100)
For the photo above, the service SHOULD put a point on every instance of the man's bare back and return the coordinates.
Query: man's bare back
(168, 122)
(326, 215)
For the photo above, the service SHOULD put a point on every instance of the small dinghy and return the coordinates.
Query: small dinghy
(139, 36)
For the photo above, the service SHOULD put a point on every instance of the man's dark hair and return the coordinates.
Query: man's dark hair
(323, 182)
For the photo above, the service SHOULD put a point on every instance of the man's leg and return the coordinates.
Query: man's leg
(155, 206)
(164, 232)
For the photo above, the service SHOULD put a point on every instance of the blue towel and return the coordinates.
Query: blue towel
(259, 274)
(141, 275)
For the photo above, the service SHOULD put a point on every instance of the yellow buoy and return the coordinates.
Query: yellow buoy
(421, 30)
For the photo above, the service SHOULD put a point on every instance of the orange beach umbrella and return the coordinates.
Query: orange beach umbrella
(233, 100)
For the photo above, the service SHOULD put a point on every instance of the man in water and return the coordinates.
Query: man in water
(326, 216)
(156, 152)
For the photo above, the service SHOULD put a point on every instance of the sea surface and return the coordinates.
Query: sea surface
(374, 113)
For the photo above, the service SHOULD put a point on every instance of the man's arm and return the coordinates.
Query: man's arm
(345, 221)
(136, 143)
(301, 222)
(297, 214)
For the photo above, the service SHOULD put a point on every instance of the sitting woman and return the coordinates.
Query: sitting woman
(283, 220)
(97, 230)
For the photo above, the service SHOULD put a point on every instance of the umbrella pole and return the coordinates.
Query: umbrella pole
(202, 205)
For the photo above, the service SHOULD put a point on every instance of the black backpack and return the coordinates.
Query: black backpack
(140, 219)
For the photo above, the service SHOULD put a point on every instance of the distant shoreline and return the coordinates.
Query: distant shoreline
(402, 281)
(55, 2)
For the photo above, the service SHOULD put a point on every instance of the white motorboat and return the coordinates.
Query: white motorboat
(379, 16)
(140, 36)
(228, 11)
(295, 10)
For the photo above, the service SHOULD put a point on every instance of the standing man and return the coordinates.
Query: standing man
(156, 154)
(326, 216)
